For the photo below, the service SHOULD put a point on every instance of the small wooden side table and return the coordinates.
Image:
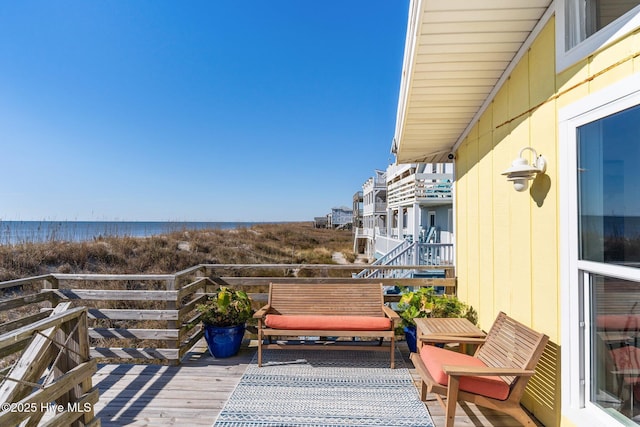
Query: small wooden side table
(447, 330)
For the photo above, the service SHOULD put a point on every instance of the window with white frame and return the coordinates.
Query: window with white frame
(608, 153)
(585, 26)
(601, 286)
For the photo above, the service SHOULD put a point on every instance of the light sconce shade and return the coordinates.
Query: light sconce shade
(521, 171)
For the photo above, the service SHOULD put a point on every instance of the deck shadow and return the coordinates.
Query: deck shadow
(130, 392)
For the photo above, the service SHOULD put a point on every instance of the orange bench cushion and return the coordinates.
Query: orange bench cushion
(434, 358)
(328, 323)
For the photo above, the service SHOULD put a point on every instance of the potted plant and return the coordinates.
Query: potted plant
(224, 318)
(424, 302)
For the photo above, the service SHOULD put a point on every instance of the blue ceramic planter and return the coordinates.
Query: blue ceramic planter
(410, 336)
(412, 341)
(223, 341)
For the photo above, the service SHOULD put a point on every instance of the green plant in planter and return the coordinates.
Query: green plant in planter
(424, 302)
(412, 304)
(226, 308)
(451, 306)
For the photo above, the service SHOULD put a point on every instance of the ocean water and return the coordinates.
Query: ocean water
(14, 232)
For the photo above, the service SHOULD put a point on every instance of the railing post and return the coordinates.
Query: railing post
(208, 288)
(50, 282)
(76, 351)
(84, 353)
(173, 324)
(201, 272)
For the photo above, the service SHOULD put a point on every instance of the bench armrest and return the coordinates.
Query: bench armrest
(475, 371)
(262, 312)
(390, 313)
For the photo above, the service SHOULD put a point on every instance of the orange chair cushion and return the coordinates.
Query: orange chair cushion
(328, 323)
(434, 358)
(627, 358)
(618, 322)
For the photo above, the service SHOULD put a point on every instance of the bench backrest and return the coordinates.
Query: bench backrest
(510, 344)
(358, 299)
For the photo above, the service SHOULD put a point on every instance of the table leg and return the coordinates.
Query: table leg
(419, 341)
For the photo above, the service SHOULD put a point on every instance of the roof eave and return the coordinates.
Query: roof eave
(440, 98)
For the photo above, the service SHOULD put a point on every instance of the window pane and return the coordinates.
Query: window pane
(615, 338)
(586, 17)
(601, 13)
(609, 189)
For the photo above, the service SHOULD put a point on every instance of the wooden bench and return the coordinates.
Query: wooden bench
(326, 310)
(495, 377)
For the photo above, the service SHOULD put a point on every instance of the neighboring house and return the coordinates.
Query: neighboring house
(340, 217)
(374, 213)
(321, 221)
(483, 80)
(357, 209)
(406, 202)
(419, 202)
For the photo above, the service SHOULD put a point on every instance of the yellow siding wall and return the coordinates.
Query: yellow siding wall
(507, 242)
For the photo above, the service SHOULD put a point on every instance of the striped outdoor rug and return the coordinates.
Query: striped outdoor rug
(325, 388)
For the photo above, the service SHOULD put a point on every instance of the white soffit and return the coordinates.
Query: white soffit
(455, 53)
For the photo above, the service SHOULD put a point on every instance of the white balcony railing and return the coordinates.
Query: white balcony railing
(419, 187)
(363, 232)
(377, 208)
(406, 253)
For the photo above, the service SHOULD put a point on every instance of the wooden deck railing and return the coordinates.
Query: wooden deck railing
(51, 379)
(54, 328)
(153, 317)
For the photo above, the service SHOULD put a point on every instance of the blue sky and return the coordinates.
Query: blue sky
(219, 110)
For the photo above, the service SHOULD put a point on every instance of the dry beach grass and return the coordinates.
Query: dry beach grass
(282, 243)
(285, 243)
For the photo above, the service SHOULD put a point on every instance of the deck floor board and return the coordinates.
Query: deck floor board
(195, 392)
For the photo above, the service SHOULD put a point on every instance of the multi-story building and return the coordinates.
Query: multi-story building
(357, 209)
(340, 217)
(419, 203)
(407, 203)
(374, 212)
(554, 85)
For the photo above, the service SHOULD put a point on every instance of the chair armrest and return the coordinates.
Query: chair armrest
(262, 312)
(475, 371)
(628, 372)
(390, 313)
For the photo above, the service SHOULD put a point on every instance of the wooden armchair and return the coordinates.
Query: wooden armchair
(495, 377)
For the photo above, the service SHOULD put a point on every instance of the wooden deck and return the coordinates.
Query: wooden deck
(194, 393)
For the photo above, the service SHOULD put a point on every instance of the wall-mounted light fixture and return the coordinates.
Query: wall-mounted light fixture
(521, 171)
